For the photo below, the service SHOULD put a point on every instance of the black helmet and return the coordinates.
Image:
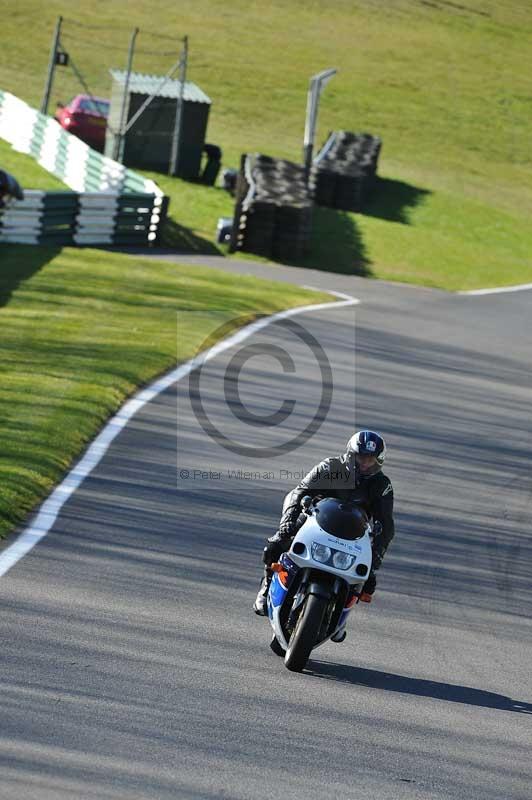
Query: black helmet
(366, 443)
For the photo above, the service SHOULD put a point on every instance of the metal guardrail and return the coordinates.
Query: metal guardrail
(83, 218)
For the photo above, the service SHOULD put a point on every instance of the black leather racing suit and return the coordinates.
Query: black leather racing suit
(334, 477)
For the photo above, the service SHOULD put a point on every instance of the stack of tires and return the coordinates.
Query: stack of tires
(273, 212)
(343, 172)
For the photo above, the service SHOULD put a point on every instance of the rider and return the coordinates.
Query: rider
(356, 475)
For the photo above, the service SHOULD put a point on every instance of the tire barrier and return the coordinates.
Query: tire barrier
(343, 172)
(86, 218)
(110, 204)
(273, 210)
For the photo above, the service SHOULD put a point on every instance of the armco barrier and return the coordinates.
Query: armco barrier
(83, 218)
(41, 218)
(112, 204)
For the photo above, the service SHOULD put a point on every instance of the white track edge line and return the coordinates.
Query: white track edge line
(522, 287)
(49, 511)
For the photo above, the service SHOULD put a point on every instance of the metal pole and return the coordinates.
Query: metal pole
(131, 121)
(120, 136)
(310, 127)
(317, 83)
(51, 67)
(178, 126)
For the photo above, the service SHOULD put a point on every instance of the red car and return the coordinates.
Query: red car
(86, 118)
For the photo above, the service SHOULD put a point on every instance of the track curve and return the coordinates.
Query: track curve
(133, 665)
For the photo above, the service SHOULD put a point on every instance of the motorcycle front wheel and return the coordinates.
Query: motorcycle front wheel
(305, 633)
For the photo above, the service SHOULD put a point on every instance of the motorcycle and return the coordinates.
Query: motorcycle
(317, 582)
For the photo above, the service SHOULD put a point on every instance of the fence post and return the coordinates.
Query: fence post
(51, 67)
(317, 82)
(178, 126)
(118, 154)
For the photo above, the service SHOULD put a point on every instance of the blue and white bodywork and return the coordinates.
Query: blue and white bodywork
(325, 559)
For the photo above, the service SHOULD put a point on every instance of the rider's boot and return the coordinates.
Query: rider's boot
(260, 605)
(368, 590)
(339, 636)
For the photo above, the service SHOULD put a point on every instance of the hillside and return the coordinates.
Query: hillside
(446, 85)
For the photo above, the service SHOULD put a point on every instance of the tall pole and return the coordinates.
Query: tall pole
(178, 125)
(51, 67)
(120, 136)
(310, 127)
(317, 83)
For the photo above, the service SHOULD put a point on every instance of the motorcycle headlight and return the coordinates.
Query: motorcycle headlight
(320, 552)
(342, 560)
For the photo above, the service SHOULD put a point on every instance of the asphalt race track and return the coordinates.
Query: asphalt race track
(132, 664)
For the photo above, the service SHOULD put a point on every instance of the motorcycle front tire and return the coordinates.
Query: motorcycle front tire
(305, 634)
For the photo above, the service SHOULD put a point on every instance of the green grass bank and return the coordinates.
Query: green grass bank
(446, 86)
(81, 330)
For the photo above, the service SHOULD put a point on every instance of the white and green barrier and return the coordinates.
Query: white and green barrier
(83, 218)
(110, 204)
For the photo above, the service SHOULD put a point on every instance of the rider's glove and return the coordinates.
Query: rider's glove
(376, 557)
(275, 545)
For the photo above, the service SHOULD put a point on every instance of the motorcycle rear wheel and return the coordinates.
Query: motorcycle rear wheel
(305, 634)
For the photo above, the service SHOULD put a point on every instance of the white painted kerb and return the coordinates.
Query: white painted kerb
(522, 287)
(50, 509)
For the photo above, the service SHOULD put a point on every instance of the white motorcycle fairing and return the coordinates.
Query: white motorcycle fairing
(300, 555)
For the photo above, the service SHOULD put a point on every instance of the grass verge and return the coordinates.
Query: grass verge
(434, 237)
(81, 330)
(29, 174)
(445, 84)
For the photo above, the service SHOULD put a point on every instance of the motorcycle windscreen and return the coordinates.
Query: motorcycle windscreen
(341, 519)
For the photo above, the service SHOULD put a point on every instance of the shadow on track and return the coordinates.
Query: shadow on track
(402, 684)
